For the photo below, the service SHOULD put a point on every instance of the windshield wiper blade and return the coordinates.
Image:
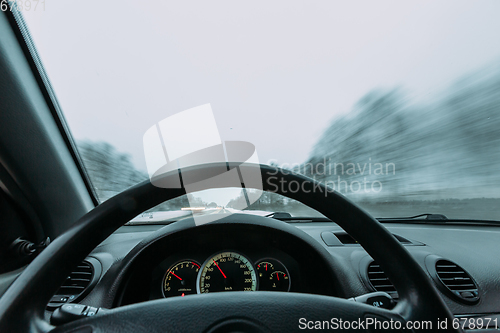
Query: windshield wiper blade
(428, 217)
(437, 219)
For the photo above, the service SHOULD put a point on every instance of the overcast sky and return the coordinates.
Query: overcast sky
(276, 73)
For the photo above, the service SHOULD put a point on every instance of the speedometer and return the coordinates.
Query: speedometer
(227, 271)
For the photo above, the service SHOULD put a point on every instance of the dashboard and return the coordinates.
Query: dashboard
(222, 258)
(147, 262)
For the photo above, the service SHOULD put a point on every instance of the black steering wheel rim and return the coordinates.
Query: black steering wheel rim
(22, 306)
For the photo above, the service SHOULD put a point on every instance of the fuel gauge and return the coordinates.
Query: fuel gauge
(273, 275)
(280, 281)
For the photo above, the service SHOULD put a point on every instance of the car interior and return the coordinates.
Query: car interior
(72, 263)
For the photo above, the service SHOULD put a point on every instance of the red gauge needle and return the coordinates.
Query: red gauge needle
(224, 275)
(278, 276)
(176, 276)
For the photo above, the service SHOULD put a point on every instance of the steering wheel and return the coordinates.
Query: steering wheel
(22, 306)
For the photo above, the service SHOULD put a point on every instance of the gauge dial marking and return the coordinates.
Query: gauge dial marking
(273, 275)
(227, 271)
(224, 275)
(180, 279)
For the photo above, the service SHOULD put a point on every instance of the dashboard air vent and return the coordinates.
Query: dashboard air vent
(457, 281)
(380, 281)
(77, 284)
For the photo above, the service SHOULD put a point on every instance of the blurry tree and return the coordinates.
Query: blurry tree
(110, 171)
(448, 147)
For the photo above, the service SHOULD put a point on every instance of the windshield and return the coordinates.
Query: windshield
(394, 104)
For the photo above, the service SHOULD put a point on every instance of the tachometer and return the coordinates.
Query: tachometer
(227, 271)
(180, 279)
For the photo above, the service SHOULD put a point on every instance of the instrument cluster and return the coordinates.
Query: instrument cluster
(225, 271)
